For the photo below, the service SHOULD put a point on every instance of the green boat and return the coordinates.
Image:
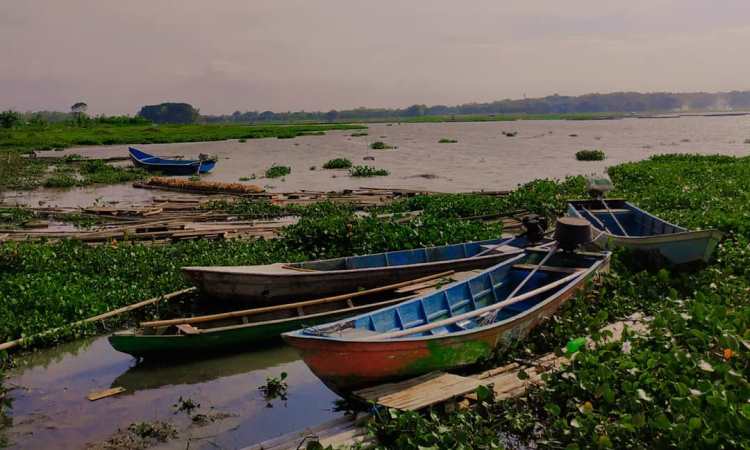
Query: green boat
(239, 330)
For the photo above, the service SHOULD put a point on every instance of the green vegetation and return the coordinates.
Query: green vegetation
(278, 171)
(367, 171)
(684, 385)
(275, 387)
(359, 134)
(91, 172)
(380, 145)
(338, 163)
(28, 138)
(447, 141)
(590, 155)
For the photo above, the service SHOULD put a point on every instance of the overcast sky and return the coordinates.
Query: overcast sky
(227, 55)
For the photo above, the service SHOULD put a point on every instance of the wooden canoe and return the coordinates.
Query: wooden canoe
(169, 166)
(432, 332)
(239, 330)
(620, 224)
(278, 283)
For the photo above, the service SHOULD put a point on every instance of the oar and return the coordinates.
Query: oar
(472, 314)
(487, 250)
(266, 309)
(523, 282)
(601, 224)
(615, 218)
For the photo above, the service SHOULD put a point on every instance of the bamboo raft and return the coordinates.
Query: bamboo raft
(451, 391)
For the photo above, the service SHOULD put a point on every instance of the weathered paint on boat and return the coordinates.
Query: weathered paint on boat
(277, 283)
(169, 166)
(646, 232)
(243, 336)
(337, 354)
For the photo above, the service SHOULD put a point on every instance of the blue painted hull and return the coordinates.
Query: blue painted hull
(169, 166)
(643, 232)
(279, 283)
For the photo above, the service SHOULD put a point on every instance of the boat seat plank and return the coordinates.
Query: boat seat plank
(435, 314)
(355, 333)
(605, 211)
(548, 268)
(420, 392)
(505, 249)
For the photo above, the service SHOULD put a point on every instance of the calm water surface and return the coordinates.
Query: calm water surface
(50, 409)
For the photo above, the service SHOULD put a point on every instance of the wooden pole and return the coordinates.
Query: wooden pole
(11, 344)
(249, 312)
(471, 314)
(493, 247)
(615, 218)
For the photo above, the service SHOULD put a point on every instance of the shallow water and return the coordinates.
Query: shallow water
(483, 158)
(50, 409)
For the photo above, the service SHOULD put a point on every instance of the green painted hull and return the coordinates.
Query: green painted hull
(238, 338)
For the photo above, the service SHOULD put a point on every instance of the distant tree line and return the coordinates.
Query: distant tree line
(618, 102)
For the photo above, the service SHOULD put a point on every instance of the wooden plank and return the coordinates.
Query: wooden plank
(549, 268)
(421, 392)
(97, 395)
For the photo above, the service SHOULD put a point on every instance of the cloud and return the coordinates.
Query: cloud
(297, 54)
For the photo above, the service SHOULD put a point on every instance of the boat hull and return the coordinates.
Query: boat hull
(272, 288)
(669, 242)
(236, 338)
(346, 366)
(676, 248)
(169, 167)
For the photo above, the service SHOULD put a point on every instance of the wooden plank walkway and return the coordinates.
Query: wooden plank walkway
(420, 392)
(437, 388)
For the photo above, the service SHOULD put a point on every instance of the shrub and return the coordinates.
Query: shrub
(447, 141)
(338, 163)
(590, 155)
(380, 145)
(367, 171)
(278, 171)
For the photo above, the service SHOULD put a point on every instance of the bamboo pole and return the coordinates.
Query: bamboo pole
(615, 218)
(249, 312)
(11, 344)
(471, 314)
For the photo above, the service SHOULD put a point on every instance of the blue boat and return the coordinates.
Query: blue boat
(170, 166)
(458, 325)
(279, 283)
(618, 223)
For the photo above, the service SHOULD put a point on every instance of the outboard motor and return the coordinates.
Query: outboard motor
(598, 187)
(571, 232)
(535, 227)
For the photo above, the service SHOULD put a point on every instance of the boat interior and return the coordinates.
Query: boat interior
(402, 257)
(491, 286)
(631, 221)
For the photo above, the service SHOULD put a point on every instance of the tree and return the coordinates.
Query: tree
(78, 110)
(182, 113)
(332, 115)
(9, 119)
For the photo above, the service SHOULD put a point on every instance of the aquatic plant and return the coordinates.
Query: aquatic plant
(359, 133)
(278, 171)
(380, 145)
(275, 387)
(447, 141)
(367, 171)
(590, 155)
(338, 163)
